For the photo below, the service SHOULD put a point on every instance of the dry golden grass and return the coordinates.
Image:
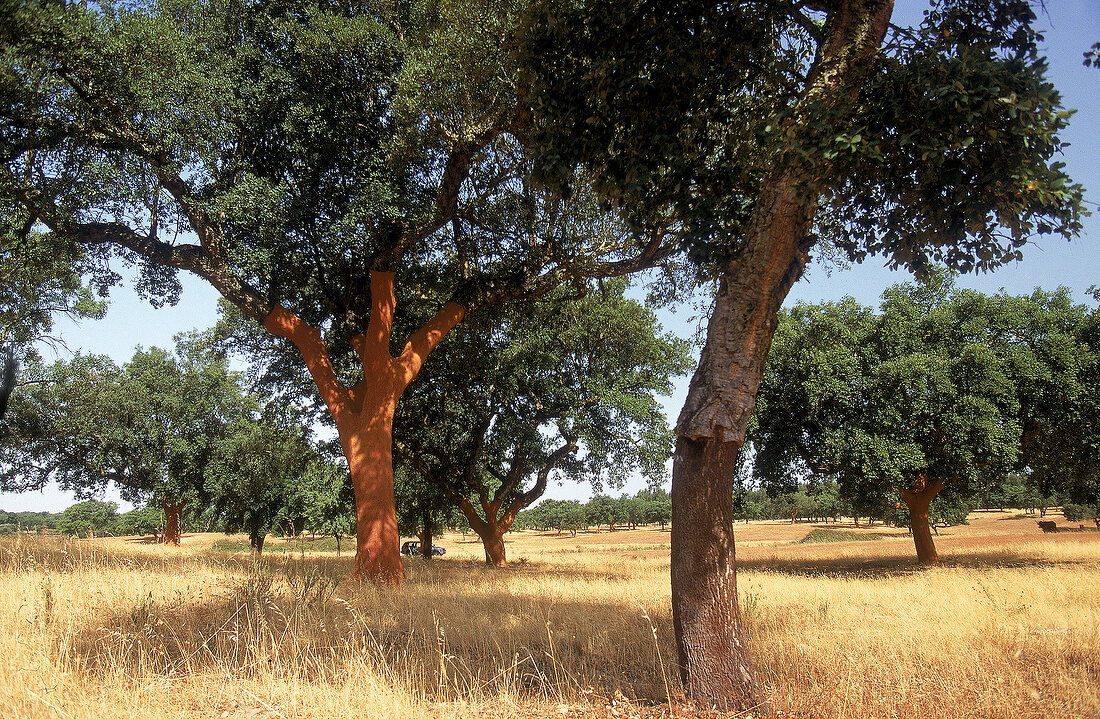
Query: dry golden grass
(1008, 626)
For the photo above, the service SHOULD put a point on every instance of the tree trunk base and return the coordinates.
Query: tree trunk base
(713, 653)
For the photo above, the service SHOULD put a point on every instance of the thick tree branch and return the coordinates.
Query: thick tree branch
(193, 258)
(307, 339)
(425, 339)
(373, 346)
(536, 491)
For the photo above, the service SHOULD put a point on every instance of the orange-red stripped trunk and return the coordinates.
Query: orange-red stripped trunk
(364, 414)
(491, 529)
(918, 500)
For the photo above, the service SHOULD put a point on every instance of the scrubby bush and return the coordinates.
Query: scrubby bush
(1080, 512)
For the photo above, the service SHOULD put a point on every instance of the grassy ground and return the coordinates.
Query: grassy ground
(1008, 626)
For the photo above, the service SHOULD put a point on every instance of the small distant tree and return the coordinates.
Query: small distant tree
(1080, 512)
(329, 499)
(562, 515)
(422, 507)
(600, 510)
(256, 477)
(87, 518)
(142, 521)
(657, 506)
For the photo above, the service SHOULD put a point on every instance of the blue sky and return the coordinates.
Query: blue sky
(1070, 27)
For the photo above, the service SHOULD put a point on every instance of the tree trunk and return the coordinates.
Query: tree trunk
(8, 383)
(713, 656)
(710, 641)
(712, 652)
(173, 513)
(364, 414)
(490, 530)
(495, 553)
(377, 541)
(426, 536)
(256, 544)
(918, 499)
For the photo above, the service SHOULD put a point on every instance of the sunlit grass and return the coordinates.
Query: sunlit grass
(1009, 626)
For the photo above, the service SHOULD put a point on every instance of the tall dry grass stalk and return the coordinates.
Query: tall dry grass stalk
(1008, 627)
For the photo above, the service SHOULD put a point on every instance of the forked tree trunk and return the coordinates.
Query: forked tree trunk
(918, 500)
(173, 514)
(364, 414)
(500, 514)
(490, 530)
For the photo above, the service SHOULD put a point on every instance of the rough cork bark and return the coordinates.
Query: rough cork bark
(712, 651)
(173, 514)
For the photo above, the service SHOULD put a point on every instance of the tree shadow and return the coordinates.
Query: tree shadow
(143, 540)
(442, 634)
(882, 567)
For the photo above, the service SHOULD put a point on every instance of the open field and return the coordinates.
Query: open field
(1008, 626)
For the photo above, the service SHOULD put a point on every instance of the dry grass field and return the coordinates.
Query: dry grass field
(1008, 626)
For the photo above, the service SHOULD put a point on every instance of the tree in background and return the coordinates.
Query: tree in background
(564, 387)
(942, 391)
(141, 521)
(85, 519)
(757, 130)
(329, 499)
(200, 136)
(152, 427)
(24, 521)
(601, 509)
(258, 474)
(1052, 345)
(423, 509)
(562, 515)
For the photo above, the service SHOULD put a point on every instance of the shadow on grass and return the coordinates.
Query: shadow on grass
(442, 635)
(142, 540)
(883, 567)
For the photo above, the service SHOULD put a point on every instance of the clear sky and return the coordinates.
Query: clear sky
(1070, 26)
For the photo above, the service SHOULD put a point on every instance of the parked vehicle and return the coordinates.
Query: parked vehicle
(412, 549)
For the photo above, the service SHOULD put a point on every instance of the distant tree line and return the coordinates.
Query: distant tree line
(600, 513)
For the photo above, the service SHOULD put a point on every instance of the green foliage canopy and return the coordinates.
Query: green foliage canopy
(946, 153)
